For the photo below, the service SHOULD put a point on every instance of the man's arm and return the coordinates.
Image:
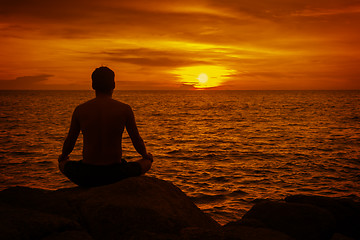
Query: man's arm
(134, 134)
(71, 138)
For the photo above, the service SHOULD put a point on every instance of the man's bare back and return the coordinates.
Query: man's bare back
(102, 121)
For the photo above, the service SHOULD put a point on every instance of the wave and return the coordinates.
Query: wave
(268, 143)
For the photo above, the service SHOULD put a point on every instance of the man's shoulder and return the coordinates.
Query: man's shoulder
(120, 104)
(85, 104)
(111, 104)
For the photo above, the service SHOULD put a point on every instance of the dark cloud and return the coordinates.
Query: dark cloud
(272, 9)
(265, 39)
(154, 58)
(41, 9)
(148, 85)
(107, 18)
(157, 62)
(272, 74)
(81, 9)
(25, 82)
(237, 21)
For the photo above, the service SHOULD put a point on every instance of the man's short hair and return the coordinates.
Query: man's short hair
(103, 79)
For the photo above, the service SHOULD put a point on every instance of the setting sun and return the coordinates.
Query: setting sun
(203, 77)
(232, 45)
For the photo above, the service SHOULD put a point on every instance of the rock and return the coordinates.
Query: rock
(135, 208)
(19, 223)
(300, 221)
(53, 202)
(143, 208)
(339, 236)
(69, 235)
(139, 204)
(345, 211)
(194, 233)
(234, 232)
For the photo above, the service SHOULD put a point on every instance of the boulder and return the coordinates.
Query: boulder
(141, 204)
(345, 211)
(339, 236)
(149, 208)
(53, 202)
(238, 231)
(69, 235)
(299, 221)
(20, 223)
(194, 233)
(135, 208)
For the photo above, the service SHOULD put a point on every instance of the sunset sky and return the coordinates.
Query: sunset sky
(181, 44)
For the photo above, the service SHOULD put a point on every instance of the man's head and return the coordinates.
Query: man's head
(103, 80)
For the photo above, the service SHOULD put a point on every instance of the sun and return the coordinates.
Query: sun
(203, 78)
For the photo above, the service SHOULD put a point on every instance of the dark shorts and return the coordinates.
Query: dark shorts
(87, 175)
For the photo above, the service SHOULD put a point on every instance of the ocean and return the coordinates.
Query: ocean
(224, 149)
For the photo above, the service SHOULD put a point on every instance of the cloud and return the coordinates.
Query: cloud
(149, 85)
(147, 57)
(355, 9)
(272, 9)
(108, 18)
(25, 82)
(156, 62)
(227, 22)
(146, 40)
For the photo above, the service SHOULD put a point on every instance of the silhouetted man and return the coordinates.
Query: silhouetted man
(102, 121)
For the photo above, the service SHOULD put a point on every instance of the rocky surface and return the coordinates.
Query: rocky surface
(345, 212)
(135, 208)
(149, 208)
(302, 217)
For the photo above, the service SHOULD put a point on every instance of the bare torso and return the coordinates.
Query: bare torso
(102, 122)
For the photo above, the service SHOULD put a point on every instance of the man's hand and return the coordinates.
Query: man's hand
(62, 161)
(148, 156)
(63, 157)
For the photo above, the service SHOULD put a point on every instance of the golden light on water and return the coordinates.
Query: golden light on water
(204, 77)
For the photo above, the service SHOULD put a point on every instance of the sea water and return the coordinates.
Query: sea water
(224, 149)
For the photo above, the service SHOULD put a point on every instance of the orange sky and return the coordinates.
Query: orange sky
(181, 44)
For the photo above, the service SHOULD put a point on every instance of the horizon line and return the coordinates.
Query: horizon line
(187, 90)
